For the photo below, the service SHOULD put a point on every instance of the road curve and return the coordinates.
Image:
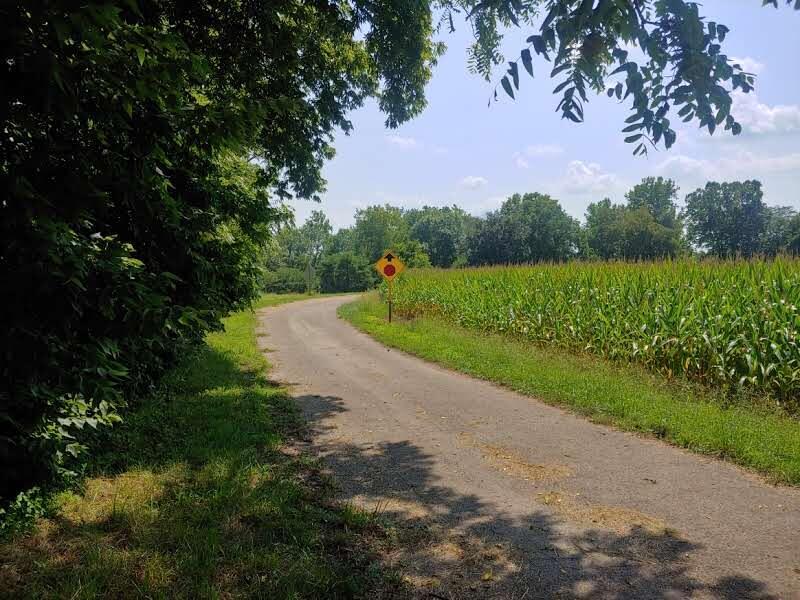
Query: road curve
(518, 499)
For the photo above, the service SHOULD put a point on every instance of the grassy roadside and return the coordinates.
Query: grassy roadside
(628, 398)
(198, 498)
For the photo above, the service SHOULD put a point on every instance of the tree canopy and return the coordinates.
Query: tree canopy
(526, 228)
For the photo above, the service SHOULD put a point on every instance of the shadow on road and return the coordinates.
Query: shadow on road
(454, 546)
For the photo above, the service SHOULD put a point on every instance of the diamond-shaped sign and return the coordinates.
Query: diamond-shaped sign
(389, 265)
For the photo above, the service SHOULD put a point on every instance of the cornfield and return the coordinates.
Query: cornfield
(730, 324)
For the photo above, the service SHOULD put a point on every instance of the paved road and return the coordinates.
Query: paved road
(511, 498)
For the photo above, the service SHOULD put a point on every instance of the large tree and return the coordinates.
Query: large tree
(316, 233)
(442, 231)
(378, 228)
(727, 219)
(526, 229)
(778, 234)
(659, 197)
(647, 227)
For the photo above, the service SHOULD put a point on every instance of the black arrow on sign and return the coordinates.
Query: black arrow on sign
(389, 257)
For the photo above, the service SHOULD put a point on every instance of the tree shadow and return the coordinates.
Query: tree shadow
(455, 545)
(196, 497)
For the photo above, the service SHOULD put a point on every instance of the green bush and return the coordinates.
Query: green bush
(345, 272)
(130, 221)
(285, 280)
(128, 230)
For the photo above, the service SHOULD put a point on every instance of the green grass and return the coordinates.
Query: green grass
(196, 499)
(627, 397)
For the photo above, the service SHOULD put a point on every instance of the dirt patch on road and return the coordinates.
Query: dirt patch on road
(513, 464)
(612, 518)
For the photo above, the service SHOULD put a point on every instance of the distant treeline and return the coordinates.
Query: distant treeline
(721, 219)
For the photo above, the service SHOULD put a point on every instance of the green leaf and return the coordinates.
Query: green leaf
(633, 138)
(514, 72)
(507, 86)
(527, 61)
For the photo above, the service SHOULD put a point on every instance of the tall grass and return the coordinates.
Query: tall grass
(729, 324)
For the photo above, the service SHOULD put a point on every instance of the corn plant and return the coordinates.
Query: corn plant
(728, 324)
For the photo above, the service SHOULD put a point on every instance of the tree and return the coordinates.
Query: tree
(442, 231)
(604, 233)
(378, 228)
(345, 272)
(727, 219)
(644, 238)
(413, 254)
(316, 233)
(526, 229)
(682, 69)
(793, 235)
(629, 232)
(778, 233)
(658, 196)
(343, 240)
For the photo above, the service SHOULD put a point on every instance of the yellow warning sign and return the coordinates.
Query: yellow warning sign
(389, 265)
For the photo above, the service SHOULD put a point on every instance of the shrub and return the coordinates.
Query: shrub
(285, 280)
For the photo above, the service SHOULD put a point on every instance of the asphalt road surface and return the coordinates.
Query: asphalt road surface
(502, 496)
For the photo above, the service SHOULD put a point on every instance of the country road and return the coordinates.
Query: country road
(512, 498)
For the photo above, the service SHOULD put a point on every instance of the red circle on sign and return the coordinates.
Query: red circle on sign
(389, 270)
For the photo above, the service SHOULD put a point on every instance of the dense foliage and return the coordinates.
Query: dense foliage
(646, 227)
(731, 219)
(527, 228)
(345, 272)
(729, 324)
(140, 147)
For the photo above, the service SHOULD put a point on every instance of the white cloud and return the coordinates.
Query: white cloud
(589, 178)
(759, 118)
(402, 142)
(521, 159)
(473, 182)
(748, 64)
(743, 165)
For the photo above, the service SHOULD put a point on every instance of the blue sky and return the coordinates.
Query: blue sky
(459, 151)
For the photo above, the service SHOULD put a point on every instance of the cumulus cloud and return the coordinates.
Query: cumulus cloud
(743, 165)
(748, 64)
(759, 118)
(402, 142)
(473, 182)
(521, 159)
(589, 178)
